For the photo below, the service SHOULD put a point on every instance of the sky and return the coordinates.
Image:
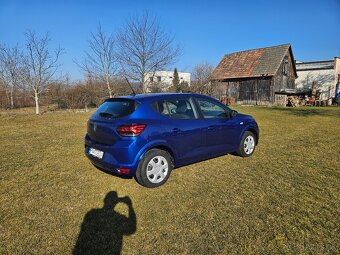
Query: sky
(206, 30)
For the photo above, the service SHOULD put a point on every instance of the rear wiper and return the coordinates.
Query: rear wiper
(106, 115)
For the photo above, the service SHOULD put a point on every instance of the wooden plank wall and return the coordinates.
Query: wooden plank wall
(249, 91)
(285, 81)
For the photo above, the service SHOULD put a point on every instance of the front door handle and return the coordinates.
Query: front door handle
(211, 128)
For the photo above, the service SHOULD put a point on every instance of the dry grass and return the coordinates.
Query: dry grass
(283, 200)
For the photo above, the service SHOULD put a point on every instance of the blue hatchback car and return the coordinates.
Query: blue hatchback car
(148, 135)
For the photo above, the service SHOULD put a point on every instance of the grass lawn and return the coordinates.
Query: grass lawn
(283, 200)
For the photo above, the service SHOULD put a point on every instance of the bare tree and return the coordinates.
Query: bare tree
(201, 74)
(100, 61)
(144, 47)
(10, 70)
(40, 64)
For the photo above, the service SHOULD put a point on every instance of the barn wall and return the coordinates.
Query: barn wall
(249, 91)
(285, 81)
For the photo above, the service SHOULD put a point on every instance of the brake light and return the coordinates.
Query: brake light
(131, 130)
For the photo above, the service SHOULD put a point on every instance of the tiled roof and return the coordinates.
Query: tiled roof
(251, 63)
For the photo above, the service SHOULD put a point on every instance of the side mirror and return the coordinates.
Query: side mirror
(233, 114)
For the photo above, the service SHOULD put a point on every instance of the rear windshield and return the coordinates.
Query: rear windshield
(116, 108)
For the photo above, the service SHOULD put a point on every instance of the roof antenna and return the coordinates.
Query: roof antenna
(133, 91)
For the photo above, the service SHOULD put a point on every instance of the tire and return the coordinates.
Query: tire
(247, 144)
(154, 168)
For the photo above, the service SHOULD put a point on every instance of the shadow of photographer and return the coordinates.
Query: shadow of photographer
(103, 228)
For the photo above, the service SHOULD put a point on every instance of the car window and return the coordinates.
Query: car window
(115, 108)
(160, 106)
(211, 110)
(180, 108)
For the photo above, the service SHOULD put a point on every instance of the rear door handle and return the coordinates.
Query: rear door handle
(211, 128)
(176, 130)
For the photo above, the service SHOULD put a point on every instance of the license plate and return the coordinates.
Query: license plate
(96, 153)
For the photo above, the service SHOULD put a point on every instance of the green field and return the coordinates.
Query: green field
(283, 200)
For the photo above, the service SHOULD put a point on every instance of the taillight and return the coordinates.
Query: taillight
(131, 130)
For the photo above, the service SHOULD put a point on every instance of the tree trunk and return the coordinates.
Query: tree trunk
(12, 99)
(143, 84)
(36, 98)
(110, 91)
(108, 85)
(8, 98)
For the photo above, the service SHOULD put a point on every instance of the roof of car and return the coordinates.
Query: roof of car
(157, 95)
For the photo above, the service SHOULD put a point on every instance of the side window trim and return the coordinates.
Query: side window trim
(193, 106)
(167, 107)
(198, 108)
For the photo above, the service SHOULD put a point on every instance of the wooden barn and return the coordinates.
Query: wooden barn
(256, 76)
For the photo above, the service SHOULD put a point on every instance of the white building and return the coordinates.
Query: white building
(324, 75)
(164, 79)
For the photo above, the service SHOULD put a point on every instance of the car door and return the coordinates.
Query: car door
(185, 130)
(222, 131)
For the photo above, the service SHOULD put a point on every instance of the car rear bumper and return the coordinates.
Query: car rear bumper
(111, 167)
(116, 159)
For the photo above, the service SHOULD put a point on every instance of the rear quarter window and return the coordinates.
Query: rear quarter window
(116, 108)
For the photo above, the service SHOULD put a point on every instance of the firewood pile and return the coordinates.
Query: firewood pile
(294, 101)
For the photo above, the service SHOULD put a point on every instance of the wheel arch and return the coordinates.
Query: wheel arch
(255, 132)
(167, 149)
(161, 145)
